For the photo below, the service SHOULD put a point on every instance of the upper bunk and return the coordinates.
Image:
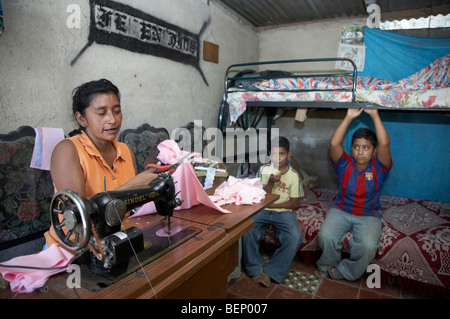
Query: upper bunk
(247, 87)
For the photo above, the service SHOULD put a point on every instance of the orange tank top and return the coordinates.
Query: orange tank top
(98, 175)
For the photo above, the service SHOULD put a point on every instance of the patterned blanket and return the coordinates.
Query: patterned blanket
(415, 243)
(427, 88)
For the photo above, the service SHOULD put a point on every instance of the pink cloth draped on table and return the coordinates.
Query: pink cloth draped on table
(188, 188)
(25, 280)
(187, 185)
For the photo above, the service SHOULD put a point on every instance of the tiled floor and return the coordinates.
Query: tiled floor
(244, 288)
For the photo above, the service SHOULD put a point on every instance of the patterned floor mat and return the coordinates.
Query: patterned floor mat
(302, 282)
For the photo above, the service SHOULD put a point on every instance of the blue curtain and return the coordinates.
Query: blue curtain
(392, 56)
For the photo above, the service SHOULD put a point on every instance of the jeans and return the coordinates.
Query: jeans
(363, 244)
(288, 233)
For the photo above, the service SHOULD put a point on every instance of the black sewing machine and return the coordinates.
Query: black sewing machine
(108, 252)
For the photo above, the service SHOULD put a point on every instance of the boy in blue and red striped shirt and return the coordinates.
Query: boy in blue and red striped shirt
(357, 207)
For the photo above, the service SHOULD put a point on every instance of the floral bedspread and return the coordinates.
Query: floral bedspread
(415, 243)
(427, 88)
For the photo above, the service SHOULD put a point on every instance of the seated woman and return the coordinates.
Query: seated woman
(91, 160)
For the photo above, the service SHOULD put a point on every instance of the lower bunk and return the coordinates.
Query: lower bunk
(414, 251)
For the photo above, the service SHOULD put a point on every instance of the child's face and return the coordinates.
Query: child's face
(279, 157)
(362, 151)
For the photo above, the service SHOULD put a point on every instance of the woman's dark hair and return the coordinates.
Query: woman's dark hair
(84, 94)
(367, 134)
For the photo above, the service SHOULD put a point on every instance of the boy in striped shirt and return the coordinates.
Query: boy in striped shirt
(357, 207)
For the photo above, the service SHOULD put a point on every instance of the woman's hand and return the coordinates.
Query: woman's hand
(139, 181)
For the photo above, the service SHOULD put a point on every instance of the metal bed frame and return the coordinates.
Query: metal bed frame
(271, 107)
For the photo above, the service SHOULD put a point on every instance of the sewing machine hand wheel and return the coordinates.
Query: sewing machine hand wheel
(70, 219)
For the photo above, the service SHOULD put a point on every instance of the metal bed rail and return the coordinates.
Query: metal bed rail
(351, 74)
(264, 105)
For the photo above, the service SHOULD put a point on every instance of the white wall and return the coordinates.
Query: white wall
(309, 139)
(302, 41)
(37, 80)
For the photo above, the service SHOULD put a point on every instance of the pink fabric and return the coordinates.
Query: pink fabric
(239, 192)
(188, 188)
(170, 153)
(27, 280)
(46, 139)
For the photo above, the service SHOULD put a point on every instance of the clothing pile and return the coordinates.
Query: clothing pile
(239, 192)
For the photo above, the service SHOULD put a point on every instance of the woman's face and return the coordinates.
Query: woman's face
(102, 119)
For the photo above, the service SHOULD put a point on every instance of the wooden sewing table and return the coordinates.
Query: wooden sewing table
(198, 268)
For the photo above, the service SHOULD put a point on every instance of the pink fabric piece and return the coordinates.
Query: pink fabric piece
(188, 188)
(170, 153)
(239, 192)
(27, 280)
(46, 139)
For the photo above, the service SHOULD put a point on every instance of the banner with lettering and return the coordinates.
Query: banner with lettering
(125, 27)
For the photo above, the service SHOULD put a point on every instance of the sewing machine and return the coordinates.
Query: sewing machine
(106, 250)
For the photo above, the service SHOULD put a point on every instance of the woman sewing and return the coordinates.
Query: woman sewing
(91, 160)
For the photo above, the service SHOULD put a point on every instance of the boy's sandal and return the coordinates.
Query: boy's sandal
(320, 274)
(334, 273)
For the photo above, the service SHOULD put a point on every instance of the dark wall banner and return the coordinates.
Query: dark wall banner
(127, 28)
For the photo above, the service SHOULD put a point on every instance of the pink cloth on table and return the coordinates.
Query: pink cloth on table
(239, 192)
(170, 153)
(188, 188)
(27, 280)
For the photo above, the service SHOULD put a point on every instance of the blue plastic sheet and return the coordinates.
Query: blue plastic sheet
(392, 56)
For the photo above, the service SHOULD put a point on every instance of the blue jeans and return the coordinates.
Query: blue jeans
(363, 244)
(288, 233)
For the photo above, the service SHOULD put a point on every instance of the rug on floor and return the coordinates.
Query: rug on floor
(302, 282)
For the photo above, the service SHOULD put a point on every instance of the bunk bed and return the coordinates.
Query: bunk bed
(415, 240)
(248, 89)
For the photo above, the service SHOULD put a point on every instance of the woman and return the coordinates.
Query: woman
(92, 160)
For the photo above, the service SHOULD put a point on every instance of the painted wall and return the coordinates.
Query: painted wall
(310, 138)
(37, 79)
(419, 142)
